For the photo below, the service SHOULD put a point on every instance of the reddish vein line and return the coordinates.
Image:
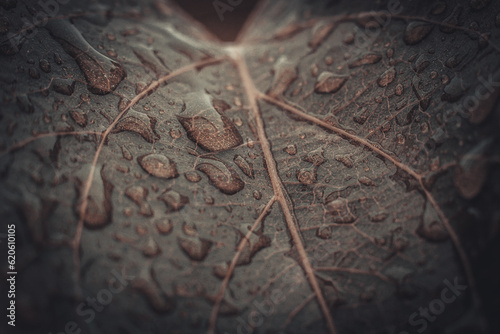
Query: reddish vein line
(88, 184)
(225, 282)
(278, 188)
(454, 237)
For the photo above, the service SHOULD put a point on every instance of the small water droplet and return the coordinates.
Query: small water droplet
(257, 194)
(345, 160)
(245, 166)
(328, 82)
(164, 226)
(64, 86)
(291, 149)
(173, 200)
(189, 229)
(192, 176)
(285, 72)
(399, 90)
(387, 77)
(367, 58)
(366, 181)
(44, 65)
(307, 176)
(196, 249)
(158, 165)
(416, 31)
(79, 117)
(176, 134)
(471, 172)
(324, 232)
(338, 209)
(138, 195)
(151, 249)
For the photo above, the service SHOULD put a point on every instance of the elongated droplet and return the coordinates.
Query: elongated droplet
(329, 83)
(197, 249)
(222, 177)
(285, 72)
(245, 166)
(387, 77)
(207, 127)
(158, 165)
(319, 33)
(99, 208)
(173, 200)
(102, 74)
(366, 59)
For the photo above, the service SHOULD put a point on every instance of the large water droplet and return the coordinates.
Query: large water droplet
(102, 74)
(338, 209)
(430, 227)
(222, 177)
(158, 165)
(79, 117)
(207, 127)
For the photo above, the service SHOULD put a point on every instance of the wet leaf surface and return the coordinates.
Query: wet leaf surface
(330, 171)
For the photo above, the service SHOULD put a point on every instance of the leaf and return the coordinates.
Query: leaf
(333, 170)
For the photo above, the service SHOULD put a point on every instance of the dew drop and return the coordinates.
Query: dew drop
(158, 165)
(430, 227)
(257, 195)
(307, 176)
(222, 177)
(472, 171)
(44, 65)
(324, 232)
(338, 209)
(367, 58)
(245, 166)
(151, 249)
(64, 86)
(138, 195)
(192, 176)
(328, 82)
(196, 249)
(345, 160)
(416, 31)
(164, 226)
(173, 200)
(208, 127)
(291, 149)
(387, 77)
(79, 117)
(139, 123)
(285, 72)
(102, 74)
(319, 33)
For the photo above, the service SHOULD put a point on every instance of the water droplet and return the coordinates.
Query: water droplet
(102, 74)
(379, 217)
(454, 90)
(285, 72)
(164, 226)
(189, 229)
(399, 90)
(192, 176)
(126, 153)
(99, 208)
(173, 200)
(316, 157)
(291, 149)
(319, 33)
(138, 195)
(324, 232)
(400, 139)
(208, 127)
(366, 181)
(338, 209)
(44, 65)
(158, 165)
(139, 123)
(328, 82)
(257, 195)
(34, 74)
(151, 249)
(24, 103)
(79, 117)
(345, 160)
(421, 63)
(430, 227)
(367, 58)
(176, 134)
(245, 166)
(307, 176)
(387, 77)
(416, 31)
(222, 177)
(221, 269)
(64, 86)
(471, 172)
(197, 249)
